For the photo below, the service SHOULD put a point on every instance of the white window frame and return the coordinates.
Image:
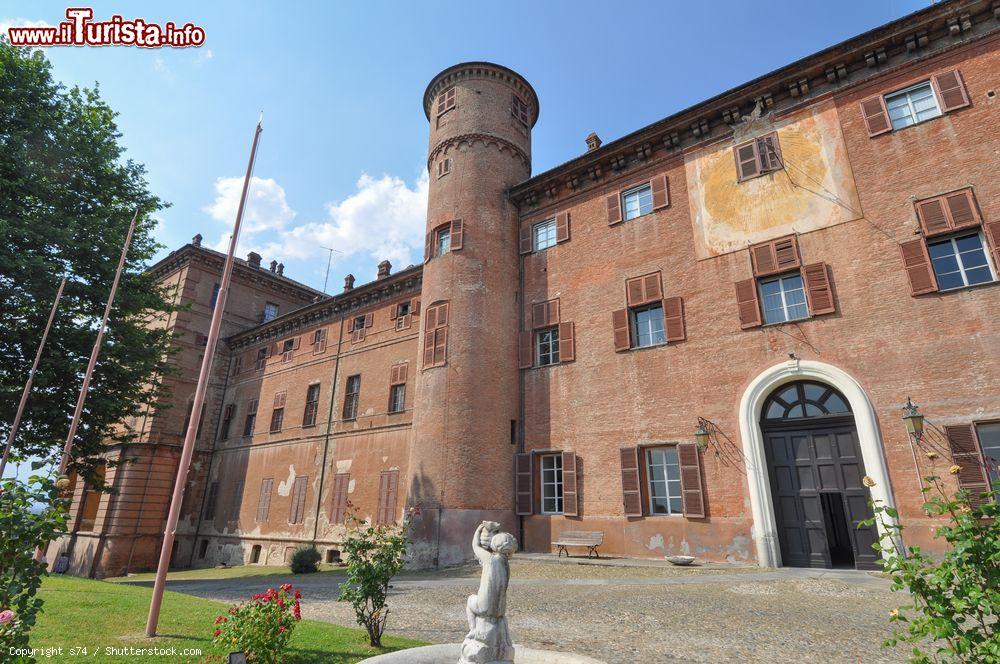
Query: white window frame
(397, 398)
(551, 465)
(638, 193)
(906, 92)
(667, 483)
(953, 240)
(634, 322)
(992, 473)
(780, 278)
(442, 241)
(550, 336)
(269, 307)
(548, 228)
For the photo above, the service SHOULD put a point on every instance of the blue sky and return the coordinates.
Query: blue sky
(341, 161)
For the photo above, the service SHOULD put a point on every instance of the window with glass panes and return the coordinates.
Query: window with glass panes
(989, 440)
(547, 346)
(663, 479)
(783, 298)
(552, 484)
(637, 201)
(647, 326)
(442, 243)
(351, 397)
(960, 261)
(912, 105)
(544, 234)
(312, 406)
(277, 419)
(270, 311)
(397, 398)
(261, 359)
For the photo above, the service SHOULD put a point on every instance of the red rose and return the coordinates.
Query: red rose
(217, 632)
(298, 593)
(281, 629)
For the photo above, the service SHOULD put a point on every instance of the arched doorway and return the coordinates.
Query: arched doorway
(815, 470)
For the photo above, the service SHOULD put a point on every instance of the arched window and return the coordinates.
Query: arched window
(803, 400)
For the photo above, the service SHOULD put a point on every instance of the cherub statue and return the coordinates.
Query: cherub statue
(488, 640)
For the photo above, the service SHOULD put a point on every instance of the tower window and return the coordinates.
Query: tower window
(446, 101)
(444, 167)
(442, 241)
(519, 109)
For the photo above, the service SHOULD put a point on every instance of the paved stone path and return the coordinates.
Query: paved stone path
(631, 611)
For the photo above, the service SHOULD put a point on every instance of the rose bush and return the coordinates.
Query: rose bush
(261, 627)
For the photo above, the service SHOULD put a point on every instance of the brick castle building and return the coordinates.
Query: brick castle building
(697, 338)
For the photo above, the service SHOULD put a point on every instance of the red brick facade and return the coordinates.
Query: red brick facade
(788, 176)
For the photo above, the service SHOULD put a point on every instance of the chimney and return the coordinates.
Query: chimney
(196, 240)
(383, 269)
(253, 259)
(348, 282)
(274, 265)
(593, 141)
(281, 269)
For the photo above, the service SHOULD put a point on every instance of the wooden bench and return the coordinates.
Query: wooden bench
(588, 538)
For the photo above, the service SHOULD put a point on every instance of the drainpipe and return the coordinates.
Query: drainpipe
(520, 374)
(329, 428)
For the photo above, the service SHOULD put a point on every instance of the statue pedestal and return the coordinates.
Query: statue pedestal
(488, 643)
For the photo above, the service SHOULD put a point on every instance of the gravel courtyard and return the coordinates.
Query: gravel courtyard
(630, 611)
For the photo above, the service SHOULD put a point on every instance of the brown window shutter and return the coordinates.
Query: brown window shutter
(661, 192)
(673, 319)
(933, 216)
(440, 346)
(264, 500)
(876, 115)
(391, 492)
(691, 488)
(746, 300)
(951, 90)
(552, 312)
(297, 342)
(525, 350)
(394, 312)
(769, 152)
(918, 267)
(442, 316)
(456, 235)
(634, 292)
(338, 510)
(539, 314)
(279, 399)
(614, 205)
(786, 253)
(415, 306)
(403, 371)
(966, 454)
(428, 348)
(450, 99)
(430, 318)
(525, 239)
(570, 500)
(562, 227)
(631, 496)
(619, 323)
(369, 320)
(992, 232)
(962, 209)
(297, 509)
(819, 293)
(747, 161)
(428, 247)
(762, 257)
(393, 375)
(775, 256)
(522, 481)
(652, 289)
(567, 343)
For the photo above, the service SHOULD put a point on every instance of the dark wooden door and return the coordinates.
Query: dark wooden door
(805, 462)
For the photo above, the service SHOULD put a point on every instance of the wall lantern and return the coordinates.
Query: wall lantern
(913, 420)
(701, 435)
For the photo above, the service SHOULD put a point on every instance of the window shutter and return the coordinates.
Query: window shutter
(917, 264)
(619, 323)
(393, 375)
(440, 346)
(933, 217)
(992, 232)
(524, 501)
(570, 499)
(442, 314)
(552, 312)
(298, 500)
(296, 342)
(430, 319)
(651, 288)
(762, 257)
(876, 115)
(614, 204)
(819, 293)
(691, 488)
(539, 315)
(966, 454)
(950, 90)
(428, 348)
(962, 209)
(320, 345)
(769, 152)
(747, 161)
(562, 227)
(264, 501)
(631, 496)
(338, 510)
(525, 239)
(388, 485)
(661, 192)
(634, 295)
(746, 301)
(415, 306)
(525, 350)
(369, 320)
(279, 399)
(213, 496)
(456, 235)
(775, 256)
(428, 248)
(673, 319)
(567, 344)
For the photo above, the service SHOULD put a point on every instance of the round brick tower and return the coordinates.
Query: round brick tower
(462, 455)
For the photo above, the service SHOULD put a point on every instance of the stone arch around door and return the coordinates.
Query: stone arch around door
(765, 533)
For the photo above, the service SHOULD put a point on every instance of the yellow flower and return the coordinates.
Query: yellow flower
(867, 481)
(931, 454)
(955, 470)
(894, 613)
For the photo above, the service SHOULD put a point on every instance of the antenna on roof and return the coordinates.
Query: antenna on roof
(328, 262)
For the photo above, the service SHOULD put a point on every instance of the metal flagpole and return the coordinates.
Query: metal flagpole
(68, 447)
(31, 379)
(199, 401)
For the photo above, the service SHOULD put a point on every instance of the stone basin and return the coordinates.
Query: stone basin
(449, 653)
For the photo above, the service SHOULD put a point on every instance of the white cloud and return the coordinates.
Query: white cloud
(203, 55)
(266, 210)
(7, 23)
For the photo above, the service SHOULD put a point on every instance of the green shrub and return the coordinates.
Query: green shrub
(261, 627)
(955, 598)
(31, 515)
(375, 554)
(305, 560)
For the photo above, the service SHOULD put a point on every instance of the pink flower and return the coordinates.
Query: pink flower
(281, 629)
(6, 616)
(298, 593)
(286, 587)
(217, 632)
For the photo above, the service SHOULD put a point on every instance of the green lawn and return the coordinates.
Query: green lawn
(95, 614)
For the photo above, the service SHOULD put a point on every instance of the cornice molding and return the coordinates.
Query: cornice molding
(915, 38)
(485, 71)
(486, 139)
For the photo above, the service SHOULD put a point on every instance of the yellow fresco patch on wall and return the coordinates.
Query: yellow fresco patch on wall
(815, 189)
